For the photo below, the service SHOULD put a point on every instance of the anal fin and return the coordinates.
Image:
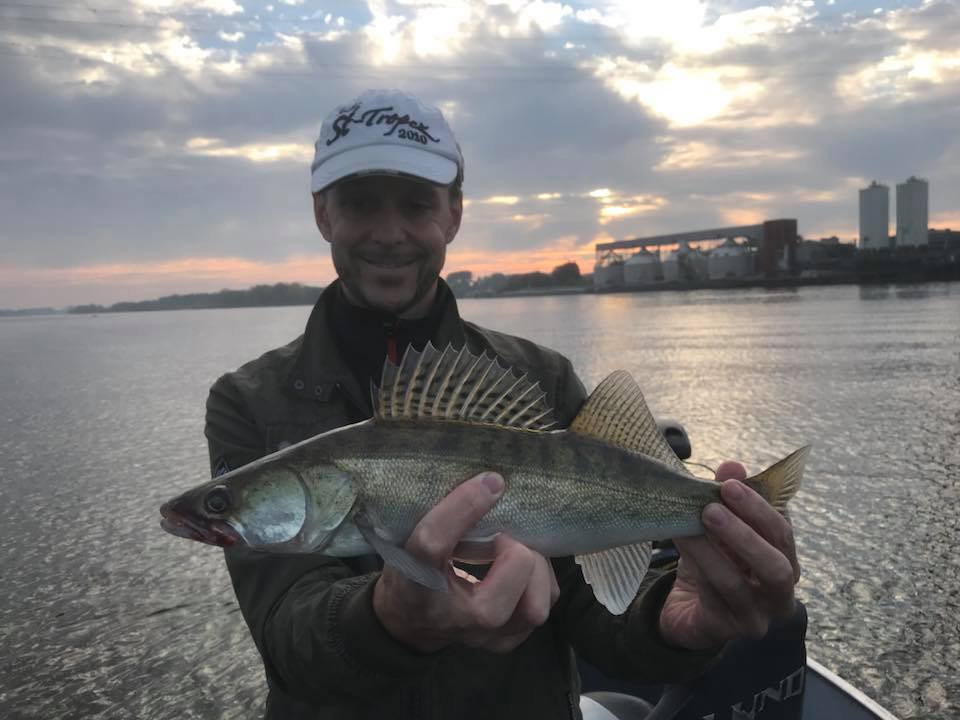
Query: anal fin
(615, 574)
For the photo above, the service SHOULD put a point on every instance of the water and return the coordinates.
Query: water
(102, 615)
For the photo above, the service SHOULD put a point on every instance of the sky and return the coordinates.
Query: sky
(151, 147)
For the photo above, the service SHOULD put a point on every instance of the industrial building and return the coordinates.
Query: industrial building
(608, 273)
(685, 264)
(730, 260)
(642, 268)
(767, 250)
(912, 212)
(874, 217)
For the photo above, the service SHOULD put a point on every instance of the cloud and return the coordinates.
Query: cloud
(254, 152)
(221, 7)
(696, 154)
(161, 132)
(502, 200)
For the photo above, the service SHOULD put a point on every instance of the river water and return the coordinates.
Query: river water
(102, 615)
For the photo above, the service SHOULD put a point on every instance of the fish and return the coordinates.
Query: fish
(602, 490)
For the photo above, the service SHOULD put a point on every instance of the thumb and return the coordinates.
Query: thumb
(731, 470)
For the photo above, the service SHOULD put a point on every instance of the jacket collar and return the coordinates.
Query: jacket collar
(319, 367)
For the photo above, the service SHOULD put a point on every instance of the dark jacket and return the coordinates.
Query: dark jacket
(325, 653)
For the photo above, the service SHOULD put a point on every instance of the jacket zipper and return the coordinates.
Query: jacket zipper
(390, 332)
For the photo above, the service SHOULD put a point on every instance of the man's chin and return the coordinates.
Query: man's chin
(398, 299)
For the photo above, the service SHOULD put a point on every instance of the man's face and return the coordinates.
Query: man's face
(388, 237)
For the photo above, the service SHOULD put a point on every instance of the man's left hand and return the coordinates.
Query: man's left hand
(733, 580)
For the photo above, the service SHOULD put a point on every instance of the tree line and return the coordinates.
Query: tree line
(279, 294)
(257, 296)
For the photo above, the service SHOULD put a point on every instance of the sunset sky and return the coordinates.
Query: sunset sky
(149, 147)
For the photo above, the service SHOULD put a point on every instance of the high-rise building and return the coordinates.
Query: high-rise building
(874, 217)
(912, 209)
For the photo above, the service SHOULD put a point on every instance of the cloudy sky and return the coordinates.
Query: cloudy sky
(156, 146)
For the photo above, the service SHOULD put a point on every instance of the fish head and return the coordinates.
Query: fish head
(332, 497)
(260, 508)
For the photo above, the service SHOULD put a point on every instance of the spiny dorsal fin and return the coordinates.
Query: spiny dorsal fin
(457, 385)
(616, 413)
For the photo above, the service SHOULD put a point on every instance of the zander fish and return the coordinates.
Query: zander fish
(601, 490)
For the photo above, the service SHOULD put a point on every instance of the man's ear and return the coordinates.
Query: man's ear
(320, 214)
(456, 215)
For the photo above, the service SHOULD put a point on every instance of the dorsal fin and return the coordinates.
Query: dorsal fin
(457, 385)
(616, 413)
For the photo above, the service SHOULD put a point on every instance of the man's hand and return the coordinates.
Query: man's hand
(496, 614)
(732, 581)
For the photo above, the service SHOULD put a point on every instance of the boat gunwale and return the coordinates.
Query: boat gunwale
(853, 692)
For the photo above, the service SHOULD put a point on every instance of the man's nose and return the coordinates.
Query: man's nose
(389, 226)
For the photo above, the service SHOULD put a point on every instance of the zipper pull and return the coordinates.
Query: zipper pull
(390, 330)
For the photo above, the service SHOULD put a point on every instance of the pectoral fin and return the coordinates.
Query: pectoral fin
(615, 574)
(397, 557)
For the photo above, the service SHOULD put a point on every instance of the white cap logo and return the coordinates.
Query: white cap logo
(385, 132)
(379, 116)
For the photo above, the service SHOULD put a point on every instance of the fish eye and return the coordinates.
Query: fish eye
(217, 500)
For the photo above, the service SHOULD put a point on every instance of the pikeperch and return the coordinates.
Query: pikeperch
(601, 490)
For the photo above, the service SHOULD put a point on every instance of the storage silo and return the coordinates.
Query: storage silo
(684, 264)
(608, 274)
(729, 261)
(643, 268)
(696, 265)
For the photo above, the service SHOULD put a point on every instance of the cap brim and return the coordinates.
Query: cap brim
(386, 159)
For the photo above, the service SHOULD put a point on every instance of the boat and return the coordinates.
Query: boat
(767, 679)
(728, 692)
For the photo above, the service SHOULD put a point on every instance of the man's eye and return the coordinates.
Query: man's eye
(356, 203)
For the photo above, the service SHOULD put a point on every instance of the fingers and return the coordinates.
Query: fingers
(541, 593)
(497, 613)
(497, 597)
(519, 586)
(439, 531)
(730, 606)
(770, 577)
(767, 522)
(514, 598)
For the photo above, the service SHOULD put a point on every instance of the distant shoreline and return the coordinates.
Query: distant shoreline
(307, 295)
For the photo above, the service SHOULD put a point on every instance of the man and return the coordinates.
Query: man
(351, 639)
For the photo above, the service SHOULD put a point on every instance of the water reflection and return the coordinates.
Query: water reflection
(874, 292)
(104, 616)
(912, 292)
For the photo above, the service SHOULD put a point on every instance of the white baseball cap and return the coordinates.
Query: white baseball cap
(386, 132)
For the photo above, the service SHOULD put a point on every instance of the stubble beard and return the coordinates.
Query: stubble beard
(428, 271)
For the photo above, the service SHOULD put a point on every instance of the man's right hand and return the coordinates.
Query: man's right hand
(496, 614)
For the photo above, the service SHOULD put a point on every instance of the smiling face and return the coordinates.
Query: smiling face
(388, 238)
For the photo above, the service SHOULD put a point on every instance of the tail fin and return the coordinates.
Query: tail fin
(780, 482)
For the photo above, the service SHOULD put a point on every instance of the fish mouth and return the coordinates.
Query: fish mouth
(211, 532)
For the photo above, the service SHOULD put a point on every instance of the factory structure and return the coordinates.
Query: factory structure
(874, 217)
(773, 253)
(913, 210)
(913, 201)
(714, 256)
